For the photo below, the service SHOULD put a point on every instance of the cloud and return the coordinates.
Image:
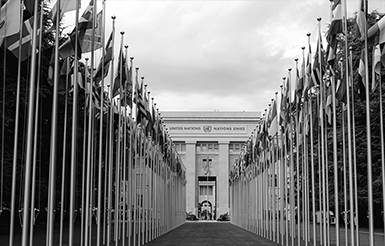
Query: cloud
(223, 55)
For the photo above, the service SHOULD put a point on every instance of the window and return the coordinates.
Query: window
(236, 147)
(207, 147)
(180, 146)
(203, 190)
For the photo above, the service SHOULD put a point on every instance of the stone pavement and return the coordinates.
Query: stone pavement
(209, 233)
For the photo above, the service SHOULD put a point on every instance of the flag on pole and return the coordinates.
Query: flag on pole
(87, 39)
(329, 101)
(300, 82)
(272, 120)
(121, 76)
(104, 61)
(360, 20)
(319, 62)
(308, 82)
(361, 72)
(334, 29)
(376, 71)
(139, 101)
(283, 119)
(13, 41)
(65, 6)
(30, 6)
(9, 19)
(85, 22)
(341, 90)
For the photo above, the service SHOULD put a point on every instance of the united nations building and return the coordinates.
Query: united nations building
(208, 143)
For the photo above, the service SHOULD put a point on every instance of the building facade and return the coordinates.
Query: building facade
(208, 143)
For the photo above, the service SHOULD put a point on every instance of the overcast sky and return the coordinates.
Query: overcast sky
(217, 55)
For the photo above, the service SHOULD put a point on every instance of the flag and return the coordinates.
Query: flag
(85, 22)
(300, 82)
(319, 62)
(334, 29)
(138, 100)
(336, 13)
(360, 20)
(13, 41)
(361, 72)
(376, 33)
(129, 84)
(329, 101)
(104, 61)
(121, 76)
(9, 19)
(30, 6)
(341, 90)
(376, 71)
(65, 6)
(87, 39)
(285, 97)
(308, 82)
(272, 120)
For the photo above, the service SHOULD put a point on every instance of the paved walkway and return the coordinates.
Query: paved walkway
(209, 233)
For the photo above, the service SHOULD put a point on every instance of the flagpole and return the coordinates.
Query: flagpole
(63, 184)
(344, 176)
(118, 146)
(29, 142)
(3, 123)
(285, 158)
(335, 160)
(99, 211)
(84, 164)
(37, 103)
(74, 134)
(124, 149)
(354, 144)
(382, 148)
(111, 145)
(87, 209)
(281, 183)
(16, 133)
(292, 182)
(368, 139)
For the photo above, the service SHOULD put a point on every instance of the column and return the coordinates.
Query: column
(223, 179)
(191, 203)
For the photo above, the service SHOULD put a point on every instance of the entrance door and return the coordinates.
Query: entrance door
(207, 197)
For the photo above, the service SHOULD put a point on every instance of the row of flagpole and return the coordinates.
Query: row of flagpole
(124, 177)
(275, 182)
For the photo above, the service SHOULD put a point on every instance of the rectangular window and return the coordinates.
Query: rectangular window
(216, 147)
(206, 190)
(236, 147)
(210, 146)
(183, 147)
(231, 147)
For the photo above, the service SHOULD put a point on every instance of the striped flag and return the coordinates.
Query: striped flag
(13, 41)
(105, 61)
(9, 19)
(319, 62)
(87, 39)
(85, 22)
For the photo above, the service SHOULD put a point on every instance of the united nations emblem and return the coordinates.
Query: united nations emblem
(207, 128)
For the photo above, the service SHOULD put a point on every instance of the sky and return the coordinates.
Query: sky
(217, 55)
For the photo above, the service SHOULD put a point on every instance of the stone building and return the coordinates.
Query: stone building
(208, 143)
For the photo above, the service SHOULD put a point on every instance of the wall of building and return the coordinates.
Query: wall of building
(214, 136)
